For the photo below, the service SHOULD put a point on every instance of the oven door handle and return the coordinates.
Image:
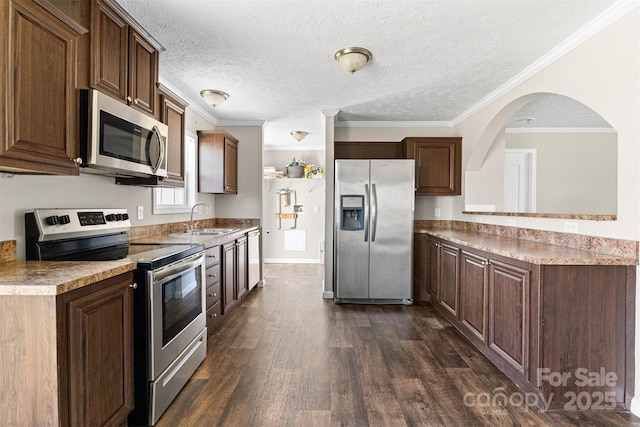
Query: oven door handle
(178, 269)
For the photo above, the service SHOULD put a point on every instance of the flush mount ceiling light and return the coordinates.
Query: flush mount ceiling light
(352, 59)
(214, 97)
(299, 135)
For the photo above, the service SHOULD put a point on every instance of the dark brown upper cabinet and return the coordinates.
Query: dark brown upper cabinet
(217, 162)
(438, 164)
(123, 63)
(39, 121)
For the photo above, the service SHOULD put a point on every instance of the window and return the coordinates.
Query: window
(178, 200)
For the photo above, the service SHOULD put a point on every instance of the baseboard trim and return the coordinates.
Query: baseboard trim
(327, 294)
(291, 261)
(635, 406)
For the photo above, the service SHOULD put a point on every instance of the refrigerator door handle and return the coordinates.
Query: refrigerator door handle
(374, 212)
(366, 212)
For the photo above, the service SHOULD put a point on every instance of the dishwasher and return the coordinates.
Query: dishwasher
(253, 242)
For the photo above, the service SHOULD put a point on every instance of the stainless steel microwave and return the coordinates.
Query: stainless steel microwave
(117, 140)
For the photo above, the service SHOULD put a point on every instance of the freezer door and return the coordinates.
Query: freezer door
(351, 254)
(391, 248)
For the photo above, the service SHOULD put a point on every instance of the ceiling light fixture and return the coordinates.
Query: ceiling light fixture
(214, 97)
(352, 59)
(299, 135)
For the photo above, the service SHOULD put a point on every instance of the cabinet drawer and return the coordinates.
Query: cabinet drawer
(212, 274)
(214, 316)
(212, 255)
(213, 294)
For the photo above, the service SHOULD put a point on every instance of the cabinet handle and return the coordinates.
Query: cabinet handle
(213, 295)
(213, 275)
(214, 315)
(211, 256)
(135, 101)
(133, 286)
(78, 160)
(129, 99)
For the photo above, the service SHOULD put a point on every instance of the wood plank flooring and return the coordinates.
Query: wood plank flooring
(286, 357)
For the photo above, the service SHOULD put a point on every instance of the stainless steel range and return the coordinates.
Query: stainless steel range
(169, 300)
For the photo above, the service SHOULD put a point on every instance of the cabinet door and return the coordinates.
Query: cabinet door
(217, 162)
(438, 164)
(420, 267)
(37, 76)
(509, 313)
(172, 114)
(449, 280)
(474, 294)
(433, 257)
(98, 332)
(109, 51)
(241, 266)
(230, 166)
(143, 73)
(228, 275)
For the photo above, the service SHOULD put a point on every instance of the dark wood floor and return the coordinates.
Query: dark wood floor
(287, 357)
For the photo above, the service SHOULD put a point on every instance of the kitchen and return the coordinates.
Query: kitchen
(19, 193)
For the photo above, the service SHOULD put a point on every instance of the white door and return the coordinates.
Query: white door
(520, 180)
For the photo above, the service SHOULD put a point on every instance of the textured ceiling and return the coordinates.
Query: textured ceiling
(432, 60)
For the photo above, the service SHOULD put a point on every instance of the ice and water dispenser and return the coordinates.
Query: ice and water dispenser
(352, 212)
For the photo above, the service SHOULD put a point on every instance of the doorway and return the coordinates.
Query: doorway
(520, 179)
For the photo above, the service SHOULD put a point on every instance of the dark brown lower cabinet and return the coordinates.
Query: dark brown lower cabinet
(563, 332)
(230, 294)
(420, 284)
(448, 278)
(509, 312)
(474, 293)
(242, 281)
(95, 349)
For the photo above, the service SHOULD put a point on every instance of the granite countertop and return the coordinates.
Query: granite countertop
(526, 250)
(205, 239)
(56, 277)
(18, 277)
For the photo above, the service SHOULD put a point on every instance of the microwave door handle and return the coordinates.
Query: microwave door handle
(156, 132)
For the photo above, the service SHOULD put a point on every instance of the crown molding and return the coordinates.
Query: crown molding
(560, 130)
(260, 123)
(393, 124)
(606, 18)
(293, 148)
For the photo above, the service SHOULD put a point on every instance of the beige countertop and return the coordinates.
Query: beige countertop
(526, 250)
(57, 277)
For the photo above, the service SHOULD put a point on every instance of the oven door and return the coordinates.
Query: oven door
(177, 310)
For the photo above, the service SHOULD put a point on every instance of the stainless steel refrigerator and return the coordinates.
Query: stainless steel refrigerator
(373, 232)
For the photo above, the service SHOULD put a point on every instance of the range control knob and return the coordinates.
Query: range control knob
(110, 217)
(64, 219)
(125, 216)
(118, 217)
(52, 220)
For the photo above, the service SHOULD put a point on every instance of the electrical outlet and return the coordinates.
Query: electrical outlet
(437, 213)
(140, 212)
(571, 227)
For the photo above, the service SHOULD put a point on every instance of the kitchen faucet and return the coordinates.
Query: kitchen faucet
(209, 210)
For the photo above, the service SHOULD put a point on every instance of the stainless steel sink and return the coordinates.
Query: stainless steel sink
(205, 232)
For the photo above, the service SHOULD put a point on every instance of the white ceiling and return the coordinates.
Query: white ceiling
(432, 60)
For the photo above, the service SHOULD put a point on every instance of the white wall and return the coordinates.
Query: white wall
(308, 192)
(248, 202)
(602, 73)
(576, 172)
